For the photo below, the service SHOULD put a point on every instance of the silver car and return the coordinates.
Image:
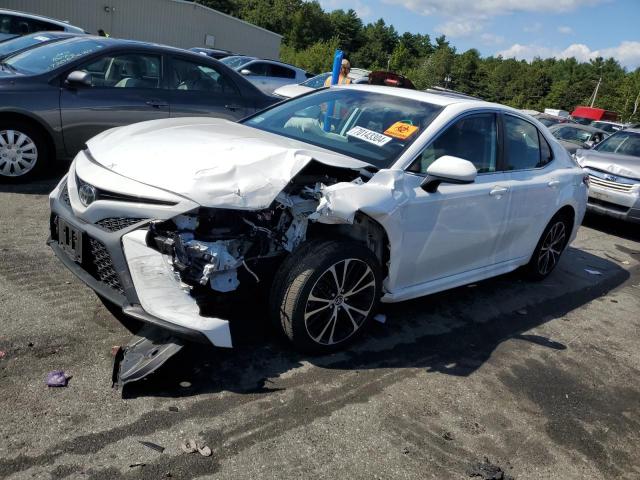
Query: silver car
(267, 75)
(14, 24)
(614, 175)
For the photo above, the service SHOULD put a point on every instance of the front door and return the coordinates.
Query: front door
(125, 89)
(459, 228)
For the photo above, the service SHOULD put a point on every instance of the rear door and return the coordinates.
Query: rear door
(534, 185)
(125, 88)
(201, 89)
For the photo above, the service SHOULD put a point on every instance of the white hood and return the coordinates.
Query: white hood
(214, 162)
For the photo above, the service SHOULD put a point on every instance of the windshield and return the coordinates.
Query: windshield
(607, 127)
(51, 56)
(317, 81)
(236, 61)
(372, 127)
(571, 134)
(20, 43)
(622, 142)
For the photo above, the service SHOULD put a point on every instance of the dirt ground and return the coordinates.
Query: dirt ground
(539, 378)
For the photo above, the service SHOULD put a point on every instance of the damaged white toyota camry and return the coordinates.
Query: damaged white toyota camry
(335, 201)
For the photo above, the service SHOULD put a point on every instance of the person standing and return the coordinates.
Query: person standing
(343, 78)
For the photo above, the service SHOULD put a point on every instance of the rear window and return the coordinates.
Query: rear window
(52, 55)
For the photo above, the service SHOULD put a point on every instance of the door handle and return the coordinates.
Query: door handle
(498, 191)
(233, 107)
(157, 103)
(553, 183)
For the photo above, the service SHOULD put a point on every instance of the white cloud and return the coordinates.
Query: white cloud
(533, 28)
(627, 53)
(488, 8)
(565, 30)
(491, 39)
(460, 28)
(361, 8)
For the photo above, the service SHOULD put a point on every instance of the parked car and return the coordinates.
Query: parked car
(614, 175)
(390, 195)
(357, 76)
(267, 75)
(55, 97)
(212, 52)
(609, 127)
(16, 45)
(14, 24)
(548, 120)
(575, 136)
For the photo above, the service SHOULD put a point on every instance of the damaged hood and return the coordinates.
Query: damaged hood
(213, 162)
(623, 165)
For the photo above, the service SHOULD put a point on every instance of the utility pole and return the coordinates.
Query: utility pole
(595, 93)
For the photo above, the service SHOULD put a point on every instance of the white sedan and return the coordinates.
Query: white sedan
(338, 200)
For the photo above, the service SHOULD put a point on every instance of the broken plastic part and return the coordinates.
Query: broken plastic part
(144, 354)
(161, 294)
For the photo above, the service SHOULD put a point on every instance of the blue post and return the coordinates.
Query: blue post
(335, 75)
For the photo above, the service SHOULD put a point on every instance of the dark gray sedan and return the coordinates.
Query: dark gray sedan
(57, 96)
(573, 136)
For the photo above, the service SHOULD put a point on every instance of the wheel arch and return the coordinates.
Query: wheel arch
(34, 122)
(364, 229)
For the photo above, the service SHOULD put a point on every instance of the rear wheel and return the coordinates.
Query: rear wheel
(552, 243)
(23, 152)
(324, 297)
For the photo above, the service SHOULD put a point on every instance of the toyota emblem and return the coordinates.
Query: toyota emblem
(87, 194)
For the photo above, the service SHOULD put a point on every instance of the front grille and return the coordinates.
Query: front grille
(65, 195)
(611, 206)
(103, 268)
(617, 186)
(113, 224)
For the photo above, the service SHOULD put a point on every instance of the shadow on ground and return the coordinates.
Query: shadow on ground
(453, 332)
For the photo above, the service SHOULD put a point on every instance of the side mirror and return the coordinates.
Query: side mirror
(448, 169)
(78, 78)
(245, 71)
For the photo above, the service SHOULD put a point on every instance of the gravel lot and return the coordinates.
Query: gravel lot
(541, 379)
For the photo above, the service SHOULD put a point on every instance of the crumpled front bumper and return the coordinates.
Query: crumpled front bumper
(120, 267)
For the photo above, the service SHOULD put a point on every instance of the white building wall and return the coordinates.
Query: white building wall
(178, 23)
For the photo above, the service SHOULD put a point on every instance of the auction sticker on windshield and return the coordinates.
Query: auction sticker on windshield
(401, 130)
(369, 136)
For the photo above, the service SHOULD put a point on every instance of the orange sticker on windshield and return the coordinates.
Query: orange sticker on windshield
(401, 130)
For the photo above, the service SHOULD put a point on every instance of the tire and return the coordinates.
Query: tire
(24, 152)
(309, 306)
(547, 253)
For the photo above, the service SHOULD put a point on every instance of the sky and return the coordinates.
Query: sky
(522, 29)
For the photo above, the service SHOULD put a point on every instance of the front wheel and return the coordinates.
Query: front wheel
(23, 152)
(324, 297)
(552, 243)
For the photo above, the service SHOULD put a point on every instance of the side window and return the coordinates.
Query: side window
(258, 68)
(546, 154)
(198, 77)
(282, 72)
(125, 71)
(5, 24)
(472, 138)
(39, 26)
(522, 144)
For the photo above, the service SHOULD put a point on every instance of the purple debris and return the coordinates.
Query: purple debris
(57, 378)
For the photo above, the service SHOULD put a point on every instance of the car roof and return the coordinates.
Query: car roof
(442, 99)
(33, 16)
(111, 42)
